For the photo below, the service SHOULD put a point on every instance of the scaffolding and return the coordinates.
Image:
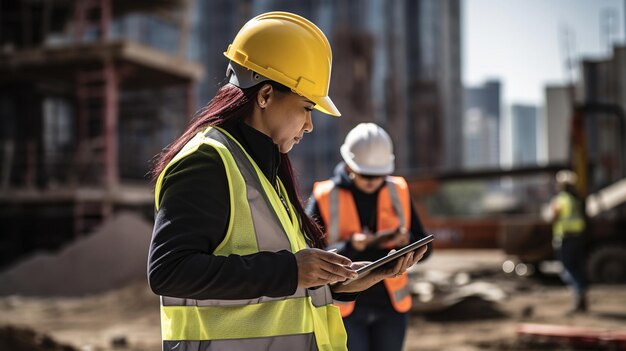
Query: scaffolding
(69, 90)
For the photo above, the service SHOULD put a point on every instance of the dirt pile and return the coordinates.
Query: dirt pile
(112, 256)
(22, 339)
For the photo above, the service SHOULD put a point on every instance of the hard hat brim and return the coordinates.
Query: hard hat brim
(242, 77)
(326, 105)
(347, 156)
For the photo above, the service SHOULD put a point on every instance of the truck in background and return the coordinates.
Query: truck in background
(601, 174)
(491, 209)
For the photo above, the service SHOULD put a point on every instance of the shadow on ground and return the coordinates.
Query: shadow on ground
(25, 339)
(610, 315)
(469, 309)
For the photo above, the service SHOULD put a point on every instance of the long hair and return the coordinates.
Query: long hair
(230, 104)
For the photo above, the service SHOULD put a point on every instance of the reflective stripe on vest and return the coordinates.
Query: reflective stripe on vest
(339, 212)
(570, 220)
(286, 342)
(258, 222)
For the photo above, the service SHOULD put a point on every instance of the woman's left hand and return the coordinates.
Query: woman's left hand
(375, 276)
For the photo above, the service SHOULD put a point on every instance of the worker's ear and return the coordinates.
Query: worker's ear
(264, 95)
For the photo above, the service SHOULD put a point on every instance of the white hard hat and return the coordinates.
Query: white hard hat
(566, 177)
(368, 150)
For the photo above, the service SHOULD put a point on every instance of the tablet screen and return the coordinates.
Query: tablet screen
(399, 253)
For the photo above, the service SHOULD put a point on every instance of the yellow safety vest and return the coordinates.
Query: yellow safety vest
(570, 220)
(258, 221)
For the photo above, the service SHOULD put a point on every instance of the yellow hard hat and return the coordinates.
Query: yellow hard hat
(290, 50)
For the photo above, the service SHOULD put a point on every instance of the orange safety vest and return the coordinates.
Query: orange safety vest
(341, 220)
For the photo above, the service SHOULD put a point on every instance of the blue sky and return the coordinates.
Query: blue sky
(518, 41)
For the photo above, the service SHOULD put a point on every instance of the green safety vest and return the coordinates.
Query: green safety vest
(570, 220)
(258, 221)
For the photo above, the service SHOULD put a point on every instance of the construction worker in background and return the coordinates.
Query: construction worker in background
(238, 264)
(366, 212)
(567, 236)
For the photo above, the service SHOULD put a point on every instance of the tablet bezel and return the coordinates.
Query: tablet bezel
(399, 253)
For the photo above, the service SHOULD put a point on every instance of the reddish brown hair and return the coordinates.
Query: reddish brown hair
(230, 104)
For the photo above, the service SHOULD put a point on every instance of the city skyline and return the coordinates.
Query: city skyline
(537, 58)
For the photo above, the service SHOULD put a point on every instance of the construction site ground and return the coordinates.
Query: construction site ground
(473, 305)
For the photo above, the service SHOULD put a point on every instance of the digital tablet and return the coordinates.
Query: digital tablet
(399, 253)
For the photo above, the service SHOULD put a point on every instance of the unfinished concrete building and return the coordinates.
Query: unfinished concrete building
(90, 91)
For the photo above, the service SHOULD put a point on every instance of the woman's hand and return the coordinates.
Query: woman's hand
(375, 276)
(318, 267)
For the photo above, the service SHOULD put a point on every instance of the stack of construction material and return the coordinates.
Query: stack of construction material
(112, 256)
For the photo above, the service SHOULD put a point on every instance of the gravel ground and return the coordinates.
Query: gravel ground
(128, 318)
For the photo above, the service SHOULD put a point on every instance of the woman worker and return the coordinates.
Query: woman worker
(237, 262)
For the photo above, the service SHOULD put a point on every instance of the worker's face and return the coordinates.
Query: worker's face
(367, 184)
(284, 116)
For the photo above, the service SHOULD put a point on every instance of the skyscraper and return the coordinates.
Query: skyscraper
(524, 134)
(482, 125)
(434, 84)
(558, 119)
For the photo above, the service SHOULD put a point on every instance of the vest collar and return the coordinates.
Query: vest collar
(259, 146)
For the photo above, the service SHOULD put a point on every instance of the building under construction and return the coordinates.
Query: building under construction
(90, 90)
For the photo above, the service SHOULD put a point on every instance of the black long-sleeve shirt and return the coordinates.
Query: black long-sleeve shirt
(192, 221)
(366, 205)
